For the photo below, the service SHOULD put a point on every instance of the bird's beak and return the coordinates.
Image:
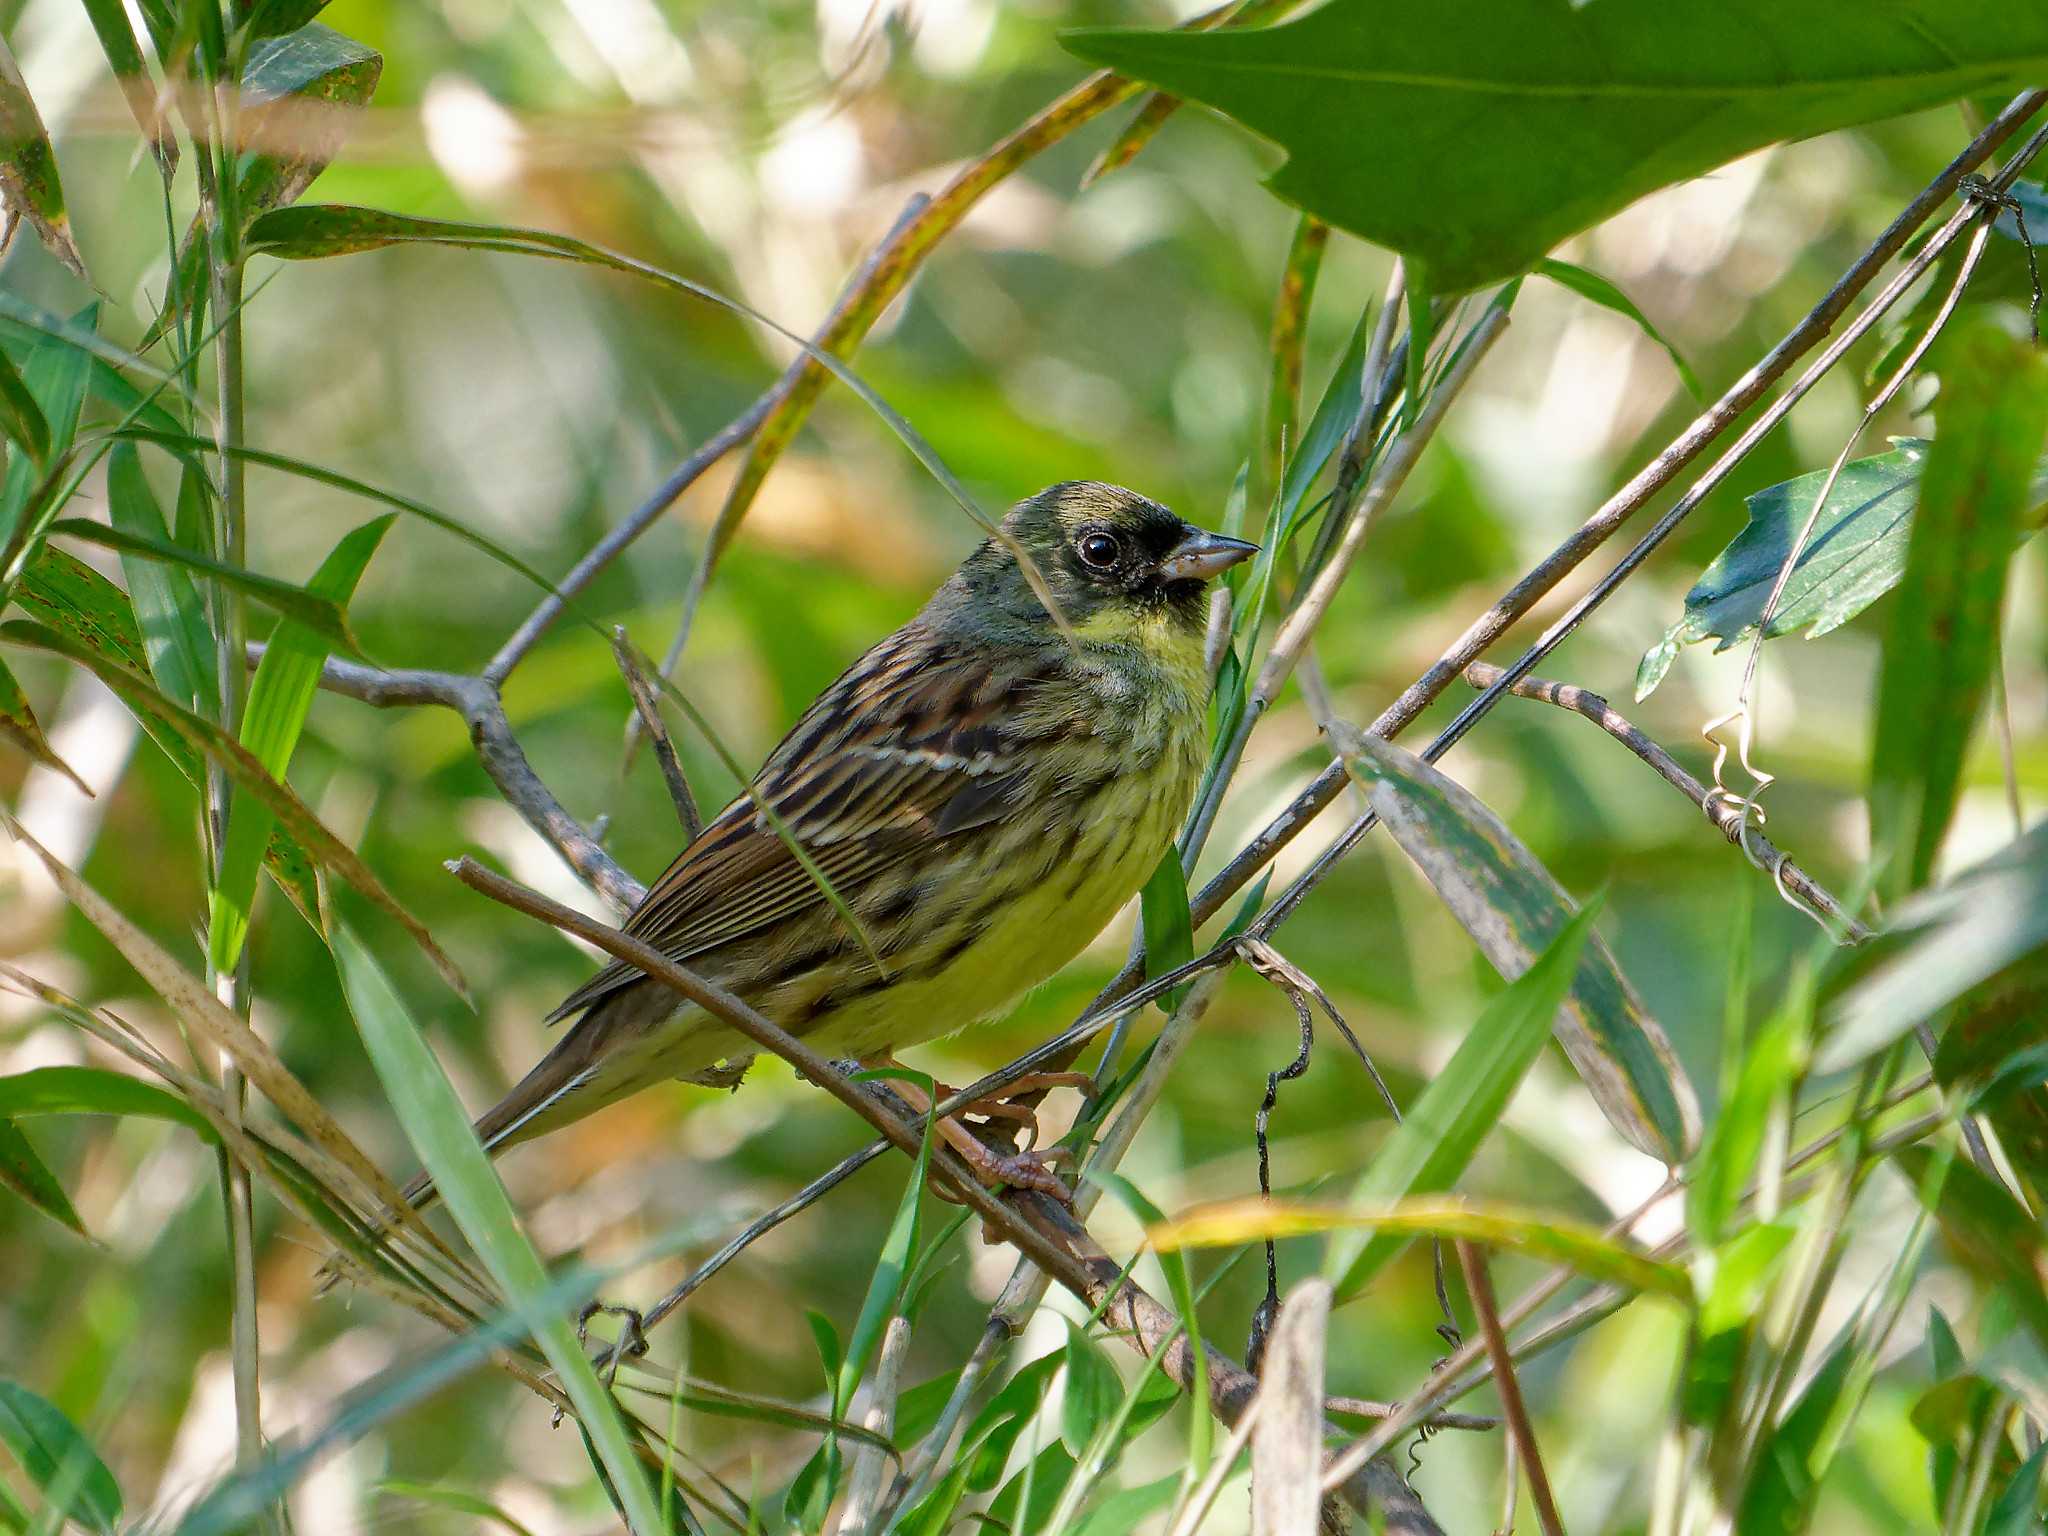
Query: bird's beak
(1203, 554)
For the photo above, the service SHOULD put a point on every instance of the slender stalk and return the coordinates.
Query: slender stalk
(1479, 1285)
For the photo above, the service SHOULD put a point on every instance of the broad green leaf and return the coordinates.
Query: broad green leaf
(1514, 909)
(322, 615)
(438, 1127)
(1942, 643)
(1940, 944)
(1439, 1134)
(1596, 289)
(54, 374)
(1526, 121)
(985, 1446)
(19, 725)
(20, 417)
(1573, 1244)
(204, 737)
(58, 1458)
(280, 696)
(1855, 554)
(1090, 1393)
(124, 57)
(168, 608)
(300, 93)
(94, 1091)
(1994, 1236)
(1169, 926)
(28, 168)
(24, 1172)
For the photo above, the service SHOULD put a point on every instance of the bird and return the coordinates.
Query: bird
(984, 790)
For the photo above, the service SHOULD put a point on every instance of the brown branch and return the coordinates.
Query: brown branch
(1479, 1285)
(1724, 813)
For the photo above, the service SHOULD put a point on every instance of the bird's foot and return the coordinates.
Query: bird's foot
(632, 1339)
(1028, 1169)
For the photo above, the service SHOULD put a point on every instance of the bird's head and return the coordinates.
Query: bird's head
(1118, 565)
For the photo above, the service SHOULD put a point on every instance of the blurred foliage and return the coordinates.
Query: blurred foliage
(1119, 331)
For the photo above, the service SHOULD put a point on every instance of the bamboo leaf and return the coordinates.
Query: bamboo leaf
(24, 1172)
(301, 93)
(1596, 289)
(1513, 908)
(58, 1459)
(168, 609)
(1168, 925)
(1434, 1142)
(439, 1130)
(95, 1091)
(54, 375)
(1994, 1236)
(1091, 1392)
(2016, 1511)
(1942, 643)
(280, 696)
(19, 725)
(124, 57)
(887, 1284)
(20, 417)
(29, 184)
(204, 737)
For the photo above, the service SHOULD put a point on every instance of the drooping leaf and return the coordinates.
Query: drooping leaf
(24, 1172)
(95, 1091)
(168, 608)
(1942, 642)
(1855, 554)
(28, 168)
(1529, 120)
(1439, 1134)
(438, 1127)
(19, 725)
(1553, 1240)
(280, 696)
(204, 737)
(1598, 290)
(58, 1458)
(1514, 909)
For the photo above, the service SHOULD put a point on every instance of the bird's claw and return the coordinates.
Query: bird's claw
(632, 1339)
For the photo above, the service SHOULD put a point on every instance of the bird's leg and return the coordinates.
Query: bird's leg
(632, 1339)
(1022, 1170)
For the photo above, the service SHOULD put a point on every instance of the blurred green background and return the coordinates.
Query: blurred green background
(1117, 332)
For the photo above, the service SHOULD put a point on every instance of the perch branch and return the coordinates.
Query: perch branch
(1725, 814)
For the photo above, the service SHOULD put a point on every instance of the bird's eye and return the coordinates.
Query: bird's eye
(1100, 550)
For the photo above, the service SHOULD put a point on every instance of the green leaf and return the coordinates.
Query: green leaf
(273, 18)
(168, 608)
(1942, 643)
(28, 168)
(54, 376)
(280, 697)
(201, 736)
(1770, 1069)
(19, 725)
(438, 1128)
(1596, 289)
(322, 615)
(1127, 1508)
(58, 1459)
(1180, 1282)
(2016, 1510)
(1525, 121)
(124, 57)
(1797, 1451)
(300, 93)
(20, 417)
(95, 1091)
(1513, 909)
(1434, 1142)
(1169, 926)
(22, 1171)
(459, 1500)
(1573, 1244)
(1940, 944)
(1989, 1231)
(1091, 1392)
(887, 1284)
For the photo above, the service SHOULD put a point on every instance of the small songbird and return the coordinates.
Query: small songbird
(984, 790)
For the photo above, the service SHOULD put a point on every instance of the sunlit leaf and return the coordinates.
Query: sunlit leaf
(58, 1458)
(1942, 642)
(1586, 107)
(28, 168)
(1513, 909)
(1442, 1129)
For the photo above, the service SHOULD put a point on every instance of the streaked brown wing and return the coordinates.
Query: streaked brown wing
(910, 744)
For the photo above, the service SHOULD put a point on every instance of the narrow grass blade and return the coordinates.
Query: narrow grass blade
(280, 696)
(23, 1171)
(95, 1091)
(20, 417)
(438, 1127)
(19, 725)
(53, 375)
(1942, 642)
(58, 1459)
(168, 608)
(1513, 908)
(1598, 290)
(1169, 926)
(1432, 1145)
(124, 57)
(28, 168)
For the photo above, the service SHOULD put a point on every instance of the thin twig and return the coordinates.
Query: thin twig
(1725, 814)
(648, 708)
(1479, 1286)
